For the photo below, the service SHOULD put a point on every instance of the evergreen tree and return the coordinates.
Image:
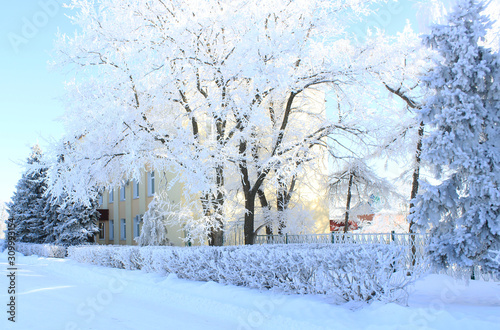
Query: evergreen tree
(52, 212)
(462, 212)
(51, 218)
(77, 223)
(41, 218)
(27, 204)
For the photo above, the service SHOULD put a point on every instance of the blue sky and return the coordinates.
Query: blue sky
(29, 92)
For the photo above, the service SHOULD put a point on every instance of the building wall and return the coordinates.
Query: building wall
(131, 207)
(312, 194)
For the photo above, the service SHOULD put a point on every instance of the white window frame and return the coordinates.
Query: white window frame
(137, 228)
(122, 193)
(151, 184)
(123, 229)
(111, 230)
(135, 189)
(111, 196)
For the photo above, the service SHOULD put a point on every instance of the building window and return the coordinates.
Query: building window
(122, 193)
(123, 229)
(111, 193)
(101, 230)
(100, 200)
(151, 183)
(135, 189)
(137, 227)
(111, 230)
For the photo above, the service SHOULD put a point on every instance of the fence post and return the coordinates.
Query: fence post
(333, 238)
(392, 236)
(286, 238)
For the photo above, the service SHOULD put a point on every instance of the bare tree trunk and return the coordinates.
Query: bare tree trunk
(284, 195)
(416, 172)
(212, 205)
(348, 203)
(249, 224)
(414, 191)
(265, 205)
(280, 207)
(249, 193)
(216, 235)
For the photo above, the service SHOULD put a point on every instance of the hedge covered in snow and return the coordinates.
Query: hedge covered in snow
(350, 272)
(42, 250)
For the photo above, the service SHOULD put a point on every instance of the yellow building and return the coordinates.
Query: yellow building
(122, 209)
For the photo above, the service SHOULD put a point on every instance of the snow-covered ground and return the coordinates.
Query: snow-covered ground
(62, 294)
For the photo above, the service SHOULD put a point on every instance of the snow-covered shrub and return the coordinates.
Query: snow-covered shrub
(347, 272)
(123, 257)
(42, 250)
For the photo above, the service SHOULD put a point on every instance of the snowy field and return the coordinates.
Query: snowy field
(62, 294)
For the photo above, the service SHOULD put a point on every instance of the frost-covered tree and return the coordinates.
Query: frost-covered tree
(385, 106)
(355, 186)
(28, 202)
(50, 216)
(202, 89)
(41, 218)
(154, 223)
(77, 223)
(434, 12)
(462, 212)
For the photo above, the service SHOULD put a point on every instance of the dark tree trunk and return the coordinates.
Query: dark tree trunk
(249, 190)
(348, 203)
(280, 207)
(265, 205)
(212, 205)
(414, 191)
(216, 236)
(269, 230)
(284, 195)
(249, 224)
(416, 172)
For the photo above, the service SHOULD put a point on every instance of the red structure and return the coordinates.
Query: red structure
(338, 224)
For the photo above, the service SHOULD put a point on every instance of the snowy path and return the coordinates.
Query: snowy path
(51, 300)
(62, 294)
